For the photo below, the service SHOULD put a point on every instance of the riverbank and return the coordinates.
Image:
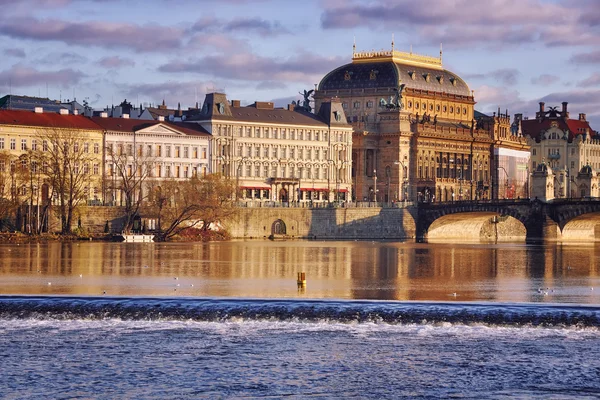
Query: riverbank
(185, 236)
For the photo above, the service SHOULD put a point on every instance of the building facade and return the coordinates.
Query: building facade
(149, 151)
(565, 145)
(277, 154)
(416, 136)
(26, 144)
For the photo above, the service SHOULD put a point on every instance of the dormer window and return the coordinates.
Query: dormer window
(413, 75)
(440, 79)
(427, 77)
(453, 81)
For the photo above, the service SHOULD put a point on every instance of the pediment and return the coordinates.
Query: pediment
(160, 129)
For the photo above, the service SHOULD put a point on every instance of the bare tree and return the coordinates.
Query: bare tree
(7, 194)
(128, 172)
(67, 169)
(195, 202)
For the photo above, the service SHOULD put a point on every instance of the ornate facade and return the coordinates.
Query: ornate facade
(565, 145)
(416, 136)
(154, 150)
(276, 154)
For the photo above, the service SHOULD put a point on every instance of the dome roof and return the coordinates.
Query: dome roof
(586, 169)
(390, 69)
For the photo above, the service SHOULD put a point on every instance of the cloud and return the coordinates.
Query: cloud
(116, 62)
(593, 80)
(247, 66)
(65, 58)
(256, 25)
(269, 85)
(141, 38)
(20, 53)
(23, 76)
(506, 76)
(545, 80)
(172, 92)
(587, 58)
(466, 22)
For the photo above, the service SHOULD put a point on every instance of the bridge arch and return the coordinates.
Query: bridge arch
(477, 226)
(466, 220)
(584, 227)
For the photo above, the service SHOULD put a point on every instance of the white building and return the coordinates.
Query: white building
(170, 150)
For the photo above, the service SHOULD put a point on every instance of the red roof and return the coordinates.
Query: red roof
(49, 120)
(134, 125)
(533, 127)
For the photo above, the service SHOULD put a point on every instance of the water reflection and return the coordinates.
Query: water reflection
(357, 270)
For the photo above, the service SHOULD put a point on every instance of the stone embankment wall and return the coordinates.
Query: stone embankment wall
(325, 223)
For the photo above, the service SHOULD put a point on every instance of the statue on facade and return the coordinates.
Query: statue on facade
(397, 102)
(306, 101)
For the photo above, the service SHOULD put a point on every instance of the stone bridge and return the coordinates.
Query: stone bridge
(577, 219)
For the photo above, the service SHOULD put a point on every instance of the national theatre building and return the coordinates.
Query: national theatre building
(417, 136)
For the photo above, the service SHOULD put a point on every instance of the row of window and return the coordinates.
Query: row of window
(159, 150)
(273, 171)
(160, 171)
(417, 106)
(274, 133)
(284, 152)
(44, 145)
(35, 167)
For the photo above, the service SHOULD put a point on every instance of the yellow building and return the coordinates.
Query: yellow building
(29, 143)
(416, 136)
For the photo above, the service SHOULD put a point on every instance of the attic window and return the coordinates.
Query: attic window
(427, 77)
(412, 75)
(453, 81)
(440, 79)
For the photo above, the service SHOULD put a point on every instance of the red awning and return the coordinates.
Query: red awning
(343, 190)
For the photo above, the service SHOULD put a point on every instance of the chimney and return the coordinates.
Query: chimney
(38, 110)
(104, 114)
(542, 104)
(235, 103)
(63, 111)
(290, 107)
(582, 117)
(161, 118)
(564, 109)
(125, 116)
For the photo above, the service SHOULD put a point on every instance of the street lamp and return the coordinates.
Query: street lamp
(237, 176)
(404, 179)
(375, 179)
(505, 183)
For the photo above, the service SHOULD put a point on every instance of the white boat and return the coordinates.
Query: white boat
(137, 237)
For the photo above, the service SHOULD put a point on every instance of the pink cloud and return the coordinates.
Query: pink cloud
(545, 79)
(116, 62)
(466, 22)
(141, 38)
(593, 80)
(247, 66)
(22, 76)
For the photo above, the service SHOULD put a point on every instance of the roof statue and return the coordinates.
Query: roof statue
(306, 101)
(395, 102)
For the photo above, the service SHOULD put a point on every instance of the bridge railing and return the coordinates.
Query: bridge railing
(316, 205)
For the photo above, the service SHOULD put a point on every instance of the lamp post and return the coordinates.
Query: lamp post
(404, 180)
(505, 183)
(375, 179)
(237, 176)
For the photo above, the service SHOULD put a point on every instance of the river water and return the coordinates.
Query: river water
(227, 320)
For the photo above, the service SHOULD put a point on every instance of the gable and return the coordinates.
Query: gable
(160, 129)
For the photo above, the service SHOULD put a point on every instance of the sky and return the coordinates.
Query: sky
(512, 53)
